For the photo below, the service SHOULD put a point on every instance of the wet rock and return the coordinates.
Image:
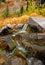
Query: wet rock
(20, 47)
(25, 27)
(19, 32)
(34, 61)
(14, 60)
(6, 30)
(19, 53)
(41, 56)
(5, 60)
(30, 44)
(17, 37)
(18, 61)
(10, 42)
(20, 25)
(9, 25)
(34, 29)
(3, 44)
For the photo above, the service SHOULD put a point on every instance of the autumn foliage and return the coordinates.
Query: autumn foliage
(15, 20)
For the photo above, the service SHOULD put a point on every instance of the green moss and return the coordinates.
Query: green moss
(2, 51)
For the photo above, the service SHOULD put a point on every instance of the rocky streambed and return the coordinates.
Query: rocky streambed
(19, 47)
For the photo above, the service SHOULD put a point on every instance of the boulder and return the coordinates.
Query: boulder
(6, 30)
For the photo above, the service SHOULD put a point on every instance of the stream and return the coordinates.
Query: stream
(19, 48)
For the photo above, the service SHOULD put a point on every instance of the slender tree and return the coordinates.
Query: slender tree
(21, 10)
(0, 4)
(27, 5)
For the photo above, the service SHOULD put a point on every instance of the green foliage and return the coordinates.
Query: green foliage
(6, 13)
(42, 11)
(31, 8)
(2, 51)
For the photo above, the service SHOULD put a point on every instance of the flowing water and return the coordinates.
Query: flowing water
(22, 50)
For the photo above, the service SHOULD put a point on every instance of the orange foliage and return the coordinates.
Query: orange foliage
(2, 60)
(15, 20)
